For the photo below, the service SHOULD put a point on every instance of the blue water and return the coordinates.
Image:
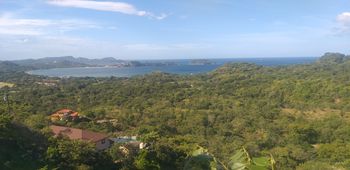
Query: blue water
(183, 67)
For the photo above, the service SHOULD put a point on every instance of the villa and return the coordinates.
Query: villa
(65, 114)
(100, 140)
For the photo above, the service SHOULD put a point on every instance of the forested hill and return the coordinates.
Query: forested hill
(53, 62)
(65, 62)
(6, 66)
(70, 62)
(299, 115)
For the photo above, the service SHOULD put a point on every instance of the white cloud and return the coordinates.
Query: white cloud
(162, 16)
(19, 31)
(120, 7)
(42, 46)
(19, 26)
(343, 20)
(4, 21)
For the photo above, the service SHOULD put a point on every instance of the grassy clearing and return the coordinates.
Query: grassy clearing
(4, 84)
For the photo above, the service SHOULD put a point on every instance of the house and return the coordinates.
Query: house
(65, 114)
(99, 139)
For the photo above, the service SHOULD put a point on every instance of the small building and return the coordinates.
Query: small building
(129, 142)
(124, 139)
(65, 114)
(100, 140)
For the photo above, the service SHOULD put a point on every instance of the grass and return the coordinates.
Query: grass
(4, 84)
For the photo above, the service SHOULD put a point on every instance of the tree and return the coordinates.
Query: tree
(146, 161)
(66, 154)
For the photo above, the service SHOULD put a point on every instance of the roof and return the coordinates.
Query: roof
(64, 111)
(74, 114)
(55, 115)
(78, 134)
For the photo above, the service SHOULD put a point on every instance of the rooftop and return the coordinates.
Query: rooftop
(64, 111)
(78, 134)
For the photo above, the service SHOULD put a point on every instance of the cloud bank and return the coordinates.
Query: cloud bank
(120, 7)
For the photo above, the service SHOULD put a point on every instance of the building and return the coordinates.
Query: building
(130, 144)
(99, 139)
(65, 114)
(124, 139)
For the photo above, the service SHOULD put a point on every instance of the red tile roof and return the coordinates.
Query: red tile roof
(64, 111)
(74, 114)
(78, 134)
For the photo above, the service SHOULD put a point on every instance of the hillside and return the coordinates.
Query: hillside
(6, 66)
(298, 114)
(69, 62)
(53, 62)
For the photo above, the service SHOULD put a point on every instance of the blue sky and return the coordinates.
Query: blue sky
(173, 29)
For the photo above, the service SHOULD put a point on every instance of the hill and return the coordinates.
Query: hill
(6, 66)
(334, 58)
(69, 62)
(53, 62)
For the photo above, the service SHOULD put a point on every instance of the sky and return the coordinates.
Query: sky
(173, 29)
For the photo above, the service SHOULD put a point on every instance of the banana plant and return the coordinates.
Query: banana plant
(241, 160)
(202, 159)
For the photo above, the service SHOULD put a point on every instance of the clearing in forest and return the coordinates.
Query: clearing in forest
(4, 84)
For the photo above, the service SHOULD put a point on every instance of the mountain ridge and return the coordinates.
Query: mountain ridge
(67, 62)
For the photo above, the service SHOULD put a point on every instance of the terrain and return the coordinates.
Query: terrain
(297, 116)
(71, 62)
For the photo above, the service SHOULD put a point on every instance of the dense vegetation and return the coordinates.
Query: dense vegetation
(297, 115)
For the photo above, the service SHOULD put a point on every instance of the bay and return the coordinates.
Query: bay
(180, 67)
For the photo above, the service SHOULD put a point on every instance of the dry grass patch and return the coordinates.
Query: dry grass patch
(4, 84)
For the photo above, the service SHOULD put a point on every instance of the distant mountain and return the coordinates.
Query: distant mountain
(54, 62)
(67, 62)
(101, 62)
(6, 66)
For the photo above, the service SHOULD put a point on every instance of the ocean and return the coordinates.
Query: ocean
(181, 67)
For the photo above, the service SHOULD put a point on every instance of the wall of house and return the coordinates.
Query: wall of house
(103, 144)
